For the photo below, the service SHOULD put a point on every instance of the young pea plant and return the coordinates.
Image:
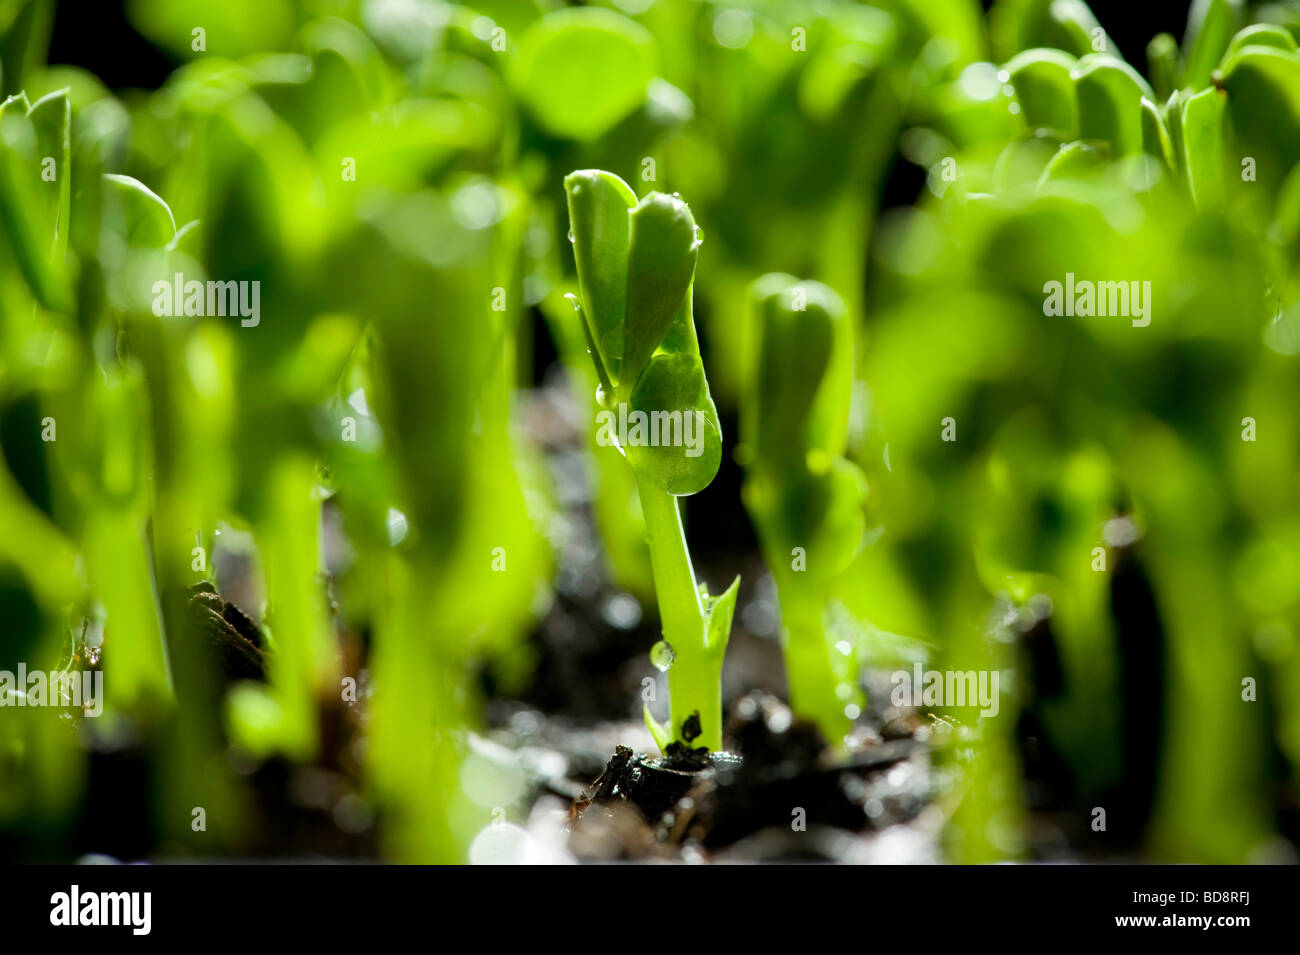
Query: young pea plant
(636, 263)
(804, 497)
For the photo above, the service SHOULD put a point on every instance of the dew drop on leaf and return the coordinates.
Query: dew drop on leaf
(662, 656)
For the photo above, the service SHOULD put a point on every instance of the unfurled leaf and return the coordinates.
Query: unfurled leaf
(682, 421)
(798, 328)
(1263, 108)
(1203, 138)
(1045, 90)
(581, 70)
(1110, 95)
(1155, 134)
(1260, 34)
(718, 612)
(147, 219)
(1071, 26)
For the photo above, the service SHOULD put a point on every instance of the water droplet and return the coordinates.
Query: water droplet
(397, 526)
(844, 647)
(662, 656)
(92, 656)
(1003, 76)
(571, 238)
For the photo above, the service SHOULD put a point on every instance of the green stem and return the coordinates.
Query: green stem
(811, 678)
(695, 682)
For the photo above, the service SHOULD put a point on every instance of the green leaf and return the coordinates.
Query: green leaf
(231, 28)
(1072, 161)
(599, 203)
(955, 22)
(674, 396)
(1287, 211)
(836, 536)
(663, 735)
(1155, 134)
(1210, 25)
(1172, 113)
(795, 341)
(635, 267)
(1109, 93)
(1263, 87)
(662, 249)
(718, 612)
(24, 41)
(819, 511)
(147, 220)
(1071, 26)
(51, 117)
(1203, 139)
(1045, 90)
(582, 70)
(24, 217)
(1260, 34)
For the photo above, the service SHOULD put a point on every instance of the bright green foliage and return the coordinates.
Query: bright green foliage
(379, 374)
(1063, 424)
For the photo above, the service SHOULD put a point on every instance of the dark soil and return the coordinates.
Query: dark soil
(782, 782)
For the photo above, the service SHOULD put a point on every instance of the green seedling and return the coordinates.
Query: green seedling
(805, 498)
(636, 264)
